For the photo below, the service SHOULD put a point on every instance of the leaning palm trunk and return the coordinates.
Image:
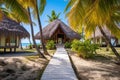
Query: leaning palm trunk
(108, 42)
(107, 47)
(31, 25)
(20, 43)
(40, 27)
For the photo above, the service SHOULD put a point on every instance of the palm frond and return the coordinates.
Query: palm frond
(71, 2)
(42, 6)
(93, 13)
(16, 8)
(75, 16)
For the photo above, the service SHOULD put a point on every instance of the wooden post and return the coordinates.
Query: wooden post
(5, 46)
(15, 44)
(4, 50)
(10, 49)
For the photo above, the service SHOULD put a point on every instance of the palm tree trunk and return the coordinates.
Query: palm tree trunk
(40, 27)
(21, 45)
(108, 41)
(107, 47)
(32, 31)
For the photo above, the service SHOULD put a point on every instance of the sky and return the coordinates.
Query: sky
(58, 6)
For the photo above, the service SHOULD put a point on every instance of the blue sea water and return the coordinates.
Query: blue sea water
(25, 44)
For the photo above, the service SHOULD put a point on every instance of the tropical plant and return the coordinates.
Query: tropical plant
(39, 46)
(30, 46)
(84, 49)
(50, 44)
(95, 13)
(67, 45)
(53, 16)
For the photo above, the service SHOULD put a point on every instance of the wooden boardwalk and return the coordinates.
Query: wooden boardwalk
(59, 68)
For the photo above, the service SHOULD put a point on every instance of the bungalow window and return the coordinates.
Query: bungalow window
(12, 41)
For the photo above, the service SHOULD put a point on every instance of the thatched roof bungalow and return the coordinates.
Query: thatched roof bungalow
(99, 37)
(98, 33)
(58, 31)
(10, 33)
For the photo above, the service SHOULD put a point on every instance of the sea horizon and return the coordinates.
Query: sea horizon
(27, 44)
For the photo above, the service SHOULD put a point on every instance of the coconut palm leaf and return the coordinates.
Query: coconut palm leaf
(92, 13)
(18, 9)
(53, 16)
(42, 6)
(75, 16)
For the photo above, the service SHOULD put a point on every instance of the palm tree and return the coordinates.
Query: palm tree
(34, 6)
(32, 31)
(53, 16)
(40, 26)
(95, 13)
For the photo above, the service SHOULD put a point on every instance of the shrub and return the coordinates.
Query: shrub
(84, 49)
(38, 45)
(50, 45)
(68, 45)
(30, 46)
(75, 44)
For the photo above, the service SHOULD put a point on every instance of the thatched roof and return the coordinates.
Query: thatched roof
(9, 27)
(98, 33)
(49, 30)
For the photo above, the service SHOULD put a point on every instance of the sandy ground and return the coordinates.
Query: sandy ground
(95, 69)
(19, 67)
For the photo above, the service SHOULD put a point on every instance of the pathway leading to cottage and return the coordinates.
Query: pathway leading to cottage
(59, 68)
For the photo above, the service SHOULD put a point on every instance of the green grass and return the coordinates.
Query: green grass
(103, 51)
(102, 54)
(109, 54)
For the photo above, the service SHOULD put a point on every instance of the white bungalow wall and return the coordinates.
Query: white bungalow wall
(18, 41)
(2, 41)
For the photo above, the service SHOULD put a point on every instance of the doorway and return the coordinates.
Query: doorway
(60, 38)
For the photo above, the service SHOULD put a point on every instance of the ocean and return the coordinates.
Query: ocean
(25, 44)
